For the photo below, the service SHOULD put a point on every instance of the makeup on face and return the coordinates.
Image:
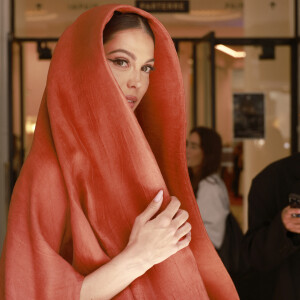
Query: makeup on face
(130, 55)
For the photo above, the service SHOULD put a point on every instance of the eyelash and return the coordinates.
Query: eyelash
(118, 62)
(151, 68)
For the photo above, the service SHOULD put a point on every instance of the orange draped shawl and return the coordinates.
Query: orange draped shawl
(93, 167)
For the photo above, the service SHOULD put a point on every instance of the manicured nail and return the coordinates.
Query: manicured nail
(159, 196)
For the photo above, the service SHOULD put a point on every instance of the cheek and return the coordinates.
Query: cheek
(200, 157)
(119, 76)
(144, 86)
(197, 157)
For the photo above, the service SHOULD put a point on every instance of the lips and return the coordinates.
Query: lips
(131, 100)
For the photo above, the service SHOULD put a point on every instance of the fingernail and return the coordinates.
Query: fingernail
(159, 196)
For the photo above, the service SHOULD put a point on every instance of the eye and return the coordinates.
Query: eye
(121, 62)
(147, 68)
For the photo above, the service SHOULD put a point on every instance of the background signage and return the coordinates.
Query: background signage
(249, 116)
(164, 6)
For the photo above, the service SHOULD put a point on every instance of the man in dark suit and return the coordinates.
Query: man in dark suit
(271, 246)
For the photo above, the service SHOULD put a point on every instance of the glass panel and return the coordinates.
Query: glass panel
(17, 155)
(35, 76)
(27, 94)
(203, 84)
(271, 77)
(185, 54)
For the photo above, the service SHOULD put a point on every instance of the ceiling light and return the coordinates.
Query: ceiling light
(231, 52)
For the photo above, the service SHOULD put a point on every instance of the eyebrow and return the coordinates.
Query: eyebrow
(129, 54)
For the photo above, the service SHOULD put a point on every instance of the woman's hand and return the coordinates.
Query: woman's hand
(151, 241)
(154, 240)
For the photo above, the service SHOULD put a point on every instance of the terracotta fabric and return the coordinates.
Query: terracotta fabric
(93, 167)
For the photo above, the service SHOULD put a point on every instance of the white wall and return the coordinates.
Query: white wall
(271, 77)
(4, 151)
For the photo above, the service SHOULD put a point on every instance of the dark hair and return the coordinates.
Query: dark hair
(211, 145)
(120, 21)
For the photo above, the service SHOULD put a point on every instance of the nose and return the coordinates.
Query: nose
(134, 80)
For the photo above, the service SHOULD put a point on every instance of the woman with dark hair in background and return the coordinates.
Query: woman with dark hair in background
(204, 150)
(92, 216)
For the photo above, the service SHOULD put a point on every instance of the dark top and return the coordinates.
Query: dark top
(272, 252)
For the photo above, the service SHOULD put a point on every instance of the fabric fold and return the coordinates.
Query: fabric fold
(94, 166)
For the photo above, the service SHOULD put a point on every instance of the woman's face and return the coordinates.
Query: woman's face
(194, 152)
(130, 55)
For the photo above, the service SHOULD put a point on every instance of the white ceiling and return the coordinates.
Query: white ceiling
(39, 18)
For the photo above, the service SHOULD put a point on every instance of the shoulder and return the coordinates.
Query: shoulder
(42, 169)
(212, 193)
(280, 169)
(207, 183)
(211, 181)
(212, 184)
(41, 183)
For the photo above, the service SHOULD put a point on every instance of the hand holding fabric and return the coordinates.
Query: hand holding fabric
(154, 240)
(151, 241)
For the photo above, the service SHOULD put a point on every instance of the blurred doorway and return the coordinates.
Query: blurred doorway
(222, 68)
(211, 78)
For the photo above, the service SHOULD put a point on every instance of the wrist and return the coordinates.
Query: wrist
(136, 260)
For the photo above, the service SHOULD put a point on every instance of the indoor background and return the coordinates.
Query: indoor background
(239, 61)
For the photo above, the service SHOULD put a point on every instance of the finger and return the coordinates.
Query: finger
(184, 242)
(180, 218)
(180, 212)
(183, 230)
(171, 209)
(152, 208)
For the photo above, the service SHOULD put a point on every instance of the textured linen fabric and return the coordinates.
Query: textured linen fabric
(213, 202)
(93, 167)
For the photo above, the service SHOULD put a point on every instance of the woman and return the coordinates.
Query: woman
(204, 149)
(91, 215)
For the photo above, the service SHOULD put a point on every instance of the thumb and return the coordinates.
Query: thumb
(153, 207)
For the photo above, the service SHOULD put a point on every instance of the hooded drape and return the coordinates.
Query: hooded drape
(94, 166)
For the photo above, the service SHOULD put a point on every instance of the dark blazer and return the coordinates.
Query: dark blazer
(272, 252)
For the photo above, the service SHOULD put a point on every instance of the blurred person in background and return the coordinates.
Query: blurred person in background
(237, 168)
(204, 151)
(271, 246)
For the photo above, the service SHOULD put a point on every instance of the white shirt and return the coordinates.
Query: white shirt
(213, 202)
